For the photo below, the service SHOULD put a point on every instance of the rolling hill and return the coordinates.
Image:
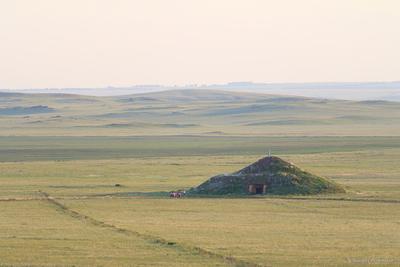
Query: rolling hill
(194, 112)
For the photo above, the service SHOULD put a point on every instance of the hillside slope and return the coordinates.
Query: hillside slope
(194, 112)
(269, 175)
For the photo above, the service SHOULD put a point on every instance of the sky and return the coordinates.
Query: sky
(97, 43)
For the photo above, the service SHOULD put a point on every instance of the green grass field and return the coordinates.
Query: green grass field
(62, 155)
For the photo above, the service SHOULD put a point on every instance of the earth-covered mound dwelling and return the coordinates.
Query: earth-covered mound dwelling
(269, 175)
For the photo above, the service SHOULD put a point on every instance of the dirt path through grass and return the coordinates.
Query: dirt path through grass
(231, 261)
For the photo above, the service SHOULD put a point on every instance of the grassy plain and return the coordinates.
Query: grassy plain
(330, 230)
(36, 233)
(76, 149)
(271, 232)
(22, 148)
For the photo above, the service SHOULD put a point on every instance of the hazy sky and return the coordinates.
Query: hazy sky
(90, 43)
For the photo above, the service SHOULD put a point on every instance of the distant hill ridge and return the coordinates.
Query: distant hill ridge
(195, 112)
(337, 90)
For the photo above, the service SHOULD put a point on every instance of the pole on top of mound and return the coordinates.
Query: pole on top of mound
(269, 152)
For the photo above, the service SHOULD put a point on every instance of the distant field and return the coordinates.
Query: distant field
(75, 148)
(366, 173)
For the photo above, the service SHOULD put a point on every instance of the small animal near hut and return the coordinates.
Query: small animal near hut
(269, 175)
(177, 194)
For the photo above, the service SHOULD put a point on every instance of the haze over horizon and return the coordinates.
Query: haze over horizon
(99, 43)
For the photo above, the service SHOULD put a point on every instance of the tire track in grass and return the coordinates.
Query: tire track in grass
(19, 199)
(149, 238)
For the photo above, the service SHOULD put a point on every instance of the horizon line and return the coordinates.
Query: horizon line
(194, 85)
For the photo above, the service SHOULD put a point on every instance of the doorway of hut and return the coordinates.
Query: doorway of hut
(257, 189)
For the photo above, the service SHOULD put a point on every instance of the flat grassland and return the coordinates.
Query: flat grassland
(61, 157)
(59, 205)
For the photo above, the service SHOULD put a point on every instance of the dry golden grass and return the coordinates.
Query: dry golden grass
(36, 233)
(267, 231)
